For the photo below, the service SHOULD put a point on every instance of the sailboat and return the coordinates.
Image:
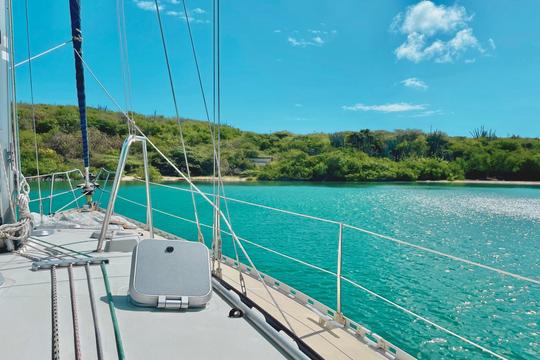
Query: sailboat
(86, 282)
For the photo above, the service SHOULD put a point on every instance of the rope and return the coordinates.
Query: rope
(74, 315)
(55, 339)
(178, 121)
(19, 231)
(32, 102)
(8, 189)
(43, 53)
(110, 300)
(97, 333)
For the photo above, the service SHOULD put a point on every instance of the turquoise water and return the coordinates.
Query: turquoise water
(498, 226)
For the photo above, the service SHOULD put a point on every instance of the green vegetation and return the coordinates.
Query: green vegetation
(363, 155)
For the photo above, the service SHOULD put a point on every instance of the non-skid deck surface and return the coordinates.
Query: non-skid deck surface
(25, 316)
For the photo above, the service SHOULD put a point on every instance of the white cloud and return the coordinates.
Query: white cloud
(198, 11)
(429, 19)
(435, 32)
(194, 17)
(318, 40)
(386, 108)
(277, 31)
(414, 83)
(310, 37)
(491, 43)
(147, 5)
(298, 105)
(297, 42)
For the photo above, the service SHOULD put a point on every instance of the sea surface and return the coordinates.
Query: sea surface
(495, 225)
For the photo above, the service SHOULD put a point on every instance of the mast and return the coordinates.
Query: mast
(8, 141)
(76, 33)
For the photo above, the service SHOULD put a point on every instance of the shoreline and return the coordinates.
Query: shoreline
(234, 179)
(482, 182)
(237, 179)
(225, 179)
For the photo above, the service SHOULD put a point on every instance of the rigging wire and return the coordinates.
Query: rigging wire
(37, 56)
(217, 243)
(215, 232)
(216, 158)
(187, 179)
(217, 111)
(124, 59)
(178, 120)
(32, 104)
(196, 60)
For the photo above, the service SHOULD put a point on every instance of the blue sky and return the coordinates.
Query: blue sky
(308, 66)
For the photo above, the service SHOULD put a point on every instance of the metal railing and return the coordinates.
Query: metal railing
(53, 178)
(130, 140)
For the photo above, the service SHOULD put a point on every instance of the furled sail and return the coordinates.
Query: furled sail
(7, 140)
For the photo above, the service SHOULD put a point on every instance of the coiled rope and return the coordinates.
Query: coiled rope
(19, 231)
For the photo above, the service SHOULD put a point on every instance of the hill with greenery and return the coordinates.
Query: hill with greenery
(363, 155)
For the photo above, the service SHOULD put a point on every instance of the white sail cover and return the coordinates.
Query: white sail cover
(6, 136)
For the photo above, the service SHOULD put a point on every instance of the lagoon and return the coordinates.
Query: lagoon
(494, 225)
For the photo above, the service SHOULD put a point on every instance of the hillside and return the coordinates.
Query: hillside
(362, 155)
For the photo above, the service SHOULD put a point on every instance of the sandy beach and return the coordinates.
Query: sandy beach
(482, 182)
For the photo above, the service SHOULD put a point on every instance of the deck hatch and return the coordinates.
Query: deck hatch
(170, 274)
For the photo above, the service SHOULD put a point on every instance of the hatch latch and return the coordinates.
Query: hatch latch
(176, 303)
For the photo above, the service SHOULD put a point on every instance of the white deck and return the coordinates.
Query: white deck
(25, 312)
